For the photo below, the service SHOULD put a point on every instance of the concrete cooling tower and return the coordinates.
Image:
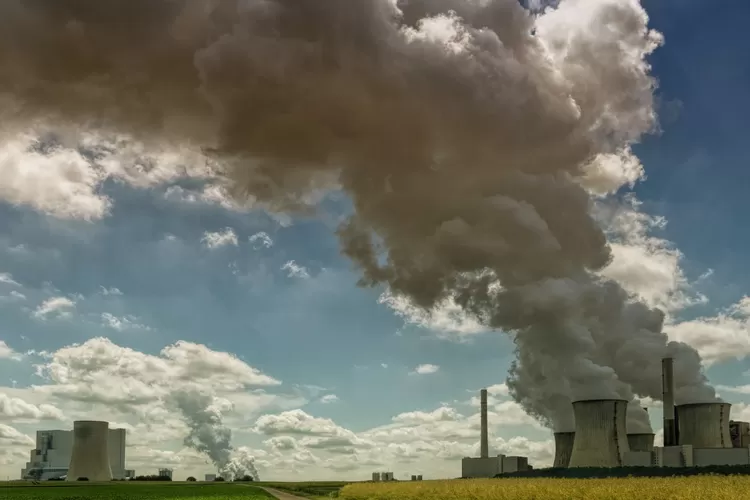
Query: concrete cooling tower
(90, 454)
(600, 436)
(563, 448)
(704, 425)
(641, 442)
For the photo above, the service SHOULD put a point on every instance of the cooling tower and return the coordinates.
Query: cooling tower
(641, 442)
(601, 439)
(563, 448)
(704, 425)
(667, 385)
(484, 448)
(90, 455)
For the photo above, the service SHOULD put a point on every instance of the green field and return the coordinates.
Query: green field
(130, 491)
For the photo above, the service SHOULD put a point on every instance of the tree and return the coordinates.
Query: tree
(191, 478)
(219, 478)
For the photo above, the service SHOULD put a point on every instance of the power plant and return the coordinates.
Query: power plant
(56, 451)
(696, 434)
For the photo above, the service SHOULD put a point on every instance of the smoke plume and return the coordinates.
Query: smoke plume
(209, 435)
(470, 136)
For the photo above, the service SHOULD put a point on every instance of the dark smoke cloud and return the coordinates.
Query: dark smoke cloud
(462, 130)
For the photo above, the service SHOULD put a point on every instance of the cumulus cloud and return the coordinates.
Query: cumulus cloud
(219, 239)
(447, 319)
(426, 369)
(16, 409)
(55, 307)
(11, 436)
(294, 270)
(296, 422)
(717, 338)
(6, 352)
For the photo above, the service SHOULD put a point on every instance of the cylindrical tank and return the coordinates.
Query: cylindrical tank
(90, 454)
(641, 442)
(601, 439)
(563, 448)
(704, 425)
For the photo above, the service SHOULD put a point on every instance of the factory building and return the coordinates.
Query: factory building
(53, 451)
(166, 473)
(697, 434)
(485, 465)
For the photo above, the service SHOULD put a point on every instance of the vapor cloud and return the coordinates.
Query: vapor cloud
(472, 138)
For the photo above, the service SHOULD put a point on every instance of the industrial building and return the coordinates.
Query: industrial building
(698, 434)
(51, 457)
(485, 465)
(166, 473)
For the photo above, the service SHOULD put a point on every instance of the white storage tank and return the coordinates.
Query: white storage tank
(600, 436)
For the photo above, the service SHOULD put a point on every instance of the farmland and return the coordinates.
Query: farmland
(697, 487)
(311, 489)
(130, 491)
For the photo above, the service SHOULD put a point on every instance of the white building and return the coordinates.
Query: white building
(166, 472)
(51, 457)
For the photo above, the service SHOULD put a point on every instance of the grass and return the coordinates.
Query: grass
(696, 487)
(130, 491)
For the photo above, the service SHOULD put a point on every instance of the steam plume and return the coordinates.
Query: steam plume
(464, 131)
(210, 436)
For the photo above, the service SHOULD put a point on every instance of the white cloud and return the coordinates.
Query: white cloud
(11, 436)
(446, 320)
(719, 338)
(110, 291)
(61, 183)
(122, 323)
(7, 279)
(16, 409)
(261, 240)
(645, 265)
(60, 307)
(220, 238)
(294, 270)
(329, 398)
(6, 352)
(426, 369)
(296, 422)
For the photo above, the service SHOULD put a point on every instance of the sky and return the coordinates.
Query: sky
(123, 284)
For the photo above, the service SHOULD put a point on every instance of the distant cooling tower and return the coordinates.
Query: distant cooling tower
(600, 438)
(90, 456)
(704, 425)
(563, 448)
(641, 442)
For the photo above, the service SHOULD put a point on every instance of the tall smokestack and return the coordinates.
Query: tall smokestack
(484, 443)
(667, 382)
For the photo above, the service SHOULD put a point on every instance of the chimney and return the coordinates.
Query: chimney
(484, 442)
(667, 383)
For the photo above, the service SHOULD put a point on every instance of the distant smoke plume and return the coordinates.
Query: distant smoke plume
(469, 135)
(210, 436)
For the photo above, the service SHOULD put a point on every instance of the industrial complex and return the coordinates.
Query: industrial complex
(90, 450)
(698, 434)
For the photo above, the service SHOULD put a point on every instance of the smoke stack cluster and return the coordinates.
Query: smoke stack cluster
(470, 137)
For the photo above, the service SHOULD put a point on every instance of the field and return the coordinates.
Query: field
(698, 488)
(311, 489)
(130, 491)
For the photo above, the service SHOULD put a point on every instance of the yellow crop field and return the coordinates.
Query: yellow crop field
(696, 487)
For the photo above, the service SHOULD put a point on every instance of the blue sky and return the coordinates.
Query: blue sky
(169, 263)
